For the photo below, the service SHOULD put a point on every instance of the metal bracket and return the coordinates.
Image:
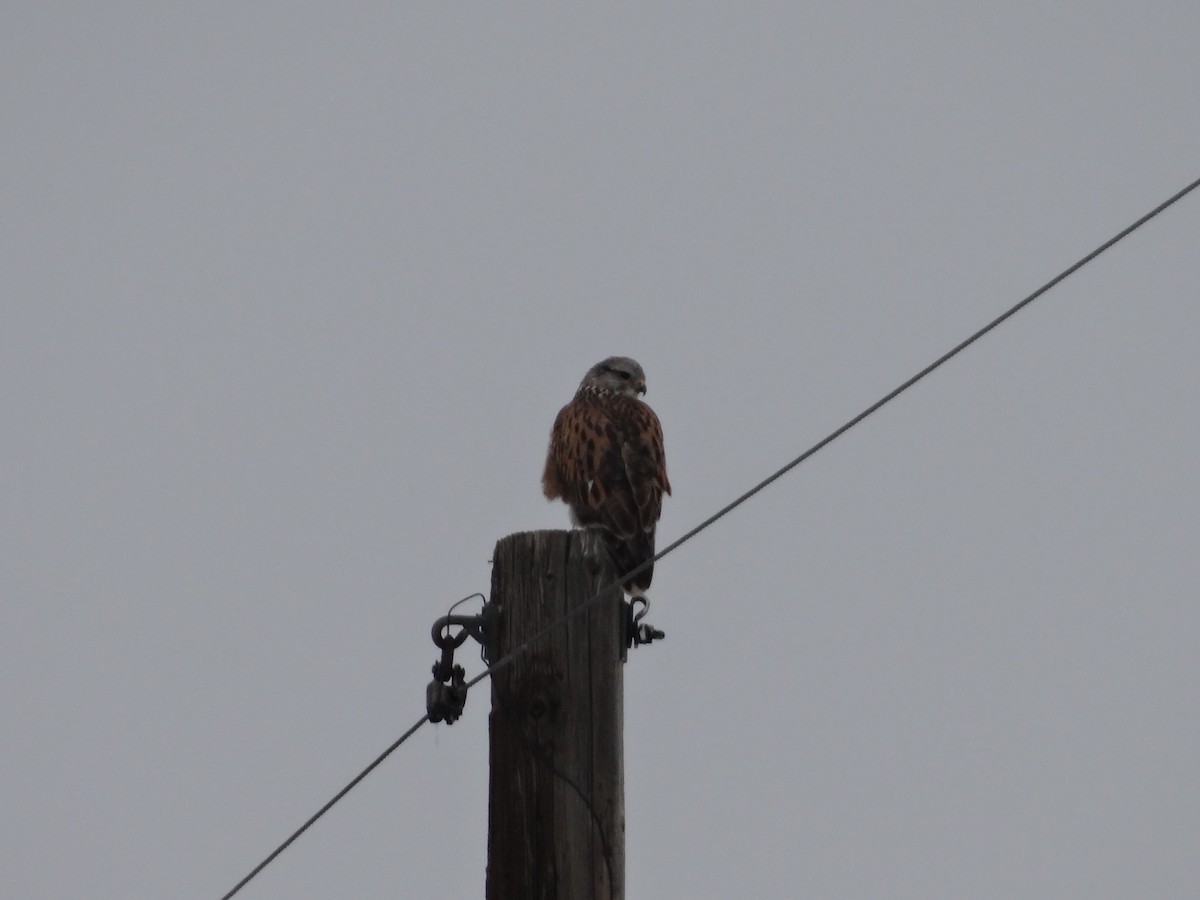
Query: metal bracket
(446, 695)
(637, 632)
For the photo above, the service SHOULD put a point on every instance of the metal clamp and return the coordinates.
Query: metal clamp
(637, 632)
(446, 695)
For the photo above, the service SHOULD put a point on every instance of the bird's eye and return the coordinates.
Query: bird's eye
(624, 375)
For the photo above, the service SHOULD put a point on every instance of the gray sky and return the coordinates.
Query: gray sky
(292, 294)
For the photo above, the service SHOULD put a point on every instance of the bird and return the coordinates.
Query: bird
(606, 462)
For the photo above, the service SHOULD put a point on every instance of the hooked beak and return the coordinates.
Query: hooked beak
(641, 387)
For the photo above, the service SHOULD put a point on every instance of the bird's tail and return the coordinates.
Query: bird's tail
(628, 554)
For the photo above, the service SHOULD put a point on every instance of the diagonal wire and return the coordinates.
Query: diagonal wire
(834, 435)
(349, 787)
(332, 800)
(525, 645)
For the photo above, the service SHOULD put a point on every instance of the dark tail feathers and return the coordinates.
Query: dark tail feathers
(627, 555)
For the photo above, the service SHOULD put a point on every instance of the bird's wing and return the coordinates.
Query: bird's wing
(645, 461)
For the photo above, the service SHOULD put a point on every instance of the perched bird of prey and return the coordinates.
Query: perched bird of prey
(606, 462)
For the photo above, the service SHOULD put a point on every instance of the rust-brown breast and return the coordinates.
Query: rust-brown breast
(606, 461)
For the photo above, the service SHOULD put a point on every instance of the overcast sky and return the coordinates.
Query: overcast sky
(292, 293)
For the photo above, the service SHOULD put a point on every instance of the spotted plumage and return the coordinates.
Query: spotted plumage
(606, 462)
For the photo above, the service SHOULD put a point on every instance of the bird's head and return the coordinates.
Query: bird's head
(615, 375)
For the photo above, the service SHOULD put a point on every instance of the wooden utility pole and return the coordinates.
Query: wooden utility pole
(556, 800)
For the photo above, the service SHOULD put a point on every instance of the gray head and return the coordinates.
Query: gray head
(615, 375)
